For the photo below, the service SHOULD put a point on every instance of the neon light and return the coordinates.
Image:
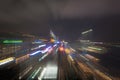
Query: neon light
(7, 60)
(42, 45)
(55, 45)
(12, 41)
(41, 51)
(46, 50)
(35, 53)
(50, 73)
(61, 49)
(57, 42)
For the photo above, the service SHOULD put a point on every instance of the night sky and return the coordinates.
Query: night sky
(67, 18)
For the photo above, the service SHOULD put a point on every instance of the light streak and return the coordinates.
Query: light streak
(7, 60)
(36, 72)
(43, 72)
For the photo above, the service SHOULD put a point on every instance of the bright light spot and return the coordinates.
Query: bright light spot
(102, 75)
(67, 51)
(42, 45)
(12, 41)
(7, 60)
(61, 49)
(51, 72)
(57, 42)
(55, 45)
(35, 53)
(52, 40)
(41, 51)
(46, 50)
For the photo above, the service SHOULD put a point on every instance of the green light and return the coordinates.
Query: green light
(12, 41)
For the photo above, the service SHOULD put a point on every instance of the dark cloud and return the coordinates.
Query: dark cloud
(21, 11)
(40, 10)
(67, 18)
(90, 8)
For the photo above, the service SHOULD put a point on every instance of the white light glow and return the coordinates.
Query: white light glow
(51, 72)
